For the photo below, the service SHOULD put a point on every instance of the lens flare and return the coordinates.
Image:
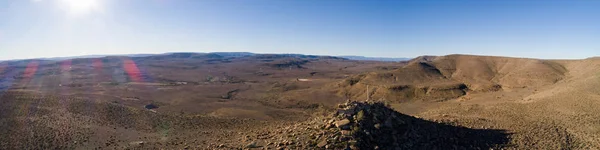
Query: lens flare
(30, 70)
(65, 65)
(132, 70)
(2, 68)
(97, 63)
(80, 7)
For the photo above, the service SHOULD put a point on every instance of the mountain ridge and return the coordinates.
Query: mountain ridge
(225, 54)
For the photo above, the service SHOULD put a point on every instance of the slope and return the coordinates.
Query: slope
(452, 76)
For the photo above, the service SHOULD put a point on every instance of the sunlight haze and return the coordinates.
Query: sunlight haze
(55, 28)
(300, 74)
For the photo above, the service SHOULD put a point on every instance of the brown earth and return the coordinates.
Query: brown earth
(208, 101)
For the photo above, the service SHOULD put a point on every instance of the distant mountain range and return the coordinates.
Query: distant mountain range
(374, 58)
(84, 56)
(224, 54)
(96, 56)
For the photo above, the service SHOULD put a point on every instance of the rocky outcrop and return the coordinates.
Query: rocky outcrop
(373, 125)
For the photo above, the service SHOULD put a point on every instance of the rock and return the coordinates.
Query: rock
(251, 145)
(322, 143)
(342, 123)
(327, 126)
(347, 112)
(137, 143)
(377, 126)
(345, 132)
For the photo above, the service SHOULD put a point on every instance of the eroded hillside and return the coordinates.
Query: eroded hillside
(453, 76)
(212, 101)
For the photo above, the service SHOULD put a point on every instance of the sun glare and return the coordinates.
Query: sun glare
(80, 7)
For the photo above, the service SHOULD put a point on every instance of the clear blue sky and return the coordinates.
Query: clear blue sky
(394, 28)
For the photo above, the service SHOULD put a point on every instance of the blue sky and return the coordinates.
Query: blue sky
(386, 28)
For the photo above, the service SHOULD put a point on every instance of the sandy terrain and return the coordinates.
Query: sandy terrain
(207, 101)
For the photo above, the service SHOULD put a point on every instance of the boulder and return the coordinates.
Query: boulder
(342, 124)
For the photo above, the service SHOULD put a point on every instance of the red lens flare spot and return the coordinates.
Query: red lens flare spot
(2, 67)
(65, 65)
(31, 69)
(132, 70)
(97, 64)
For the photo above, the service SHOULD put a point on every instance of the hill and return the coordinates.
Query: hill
(452, 76)
(498, 90)
(375, 58)
(242, 100)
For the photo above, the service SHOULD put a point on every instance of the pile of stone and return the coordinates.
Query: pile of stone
(358, 125)
(373, 125)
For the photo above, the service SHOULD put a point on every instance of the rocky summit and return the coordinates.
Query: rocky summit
(359, 125)
(373, 125)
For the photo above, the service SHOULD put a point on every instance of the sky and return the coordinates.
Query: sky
(547, 29)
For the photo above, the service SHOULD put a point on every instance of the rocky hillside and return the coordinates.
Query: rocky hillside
(373, 125)
(434, 78)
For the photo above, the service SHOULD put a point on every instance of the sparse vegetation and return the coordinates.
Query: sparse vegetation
(209, 102)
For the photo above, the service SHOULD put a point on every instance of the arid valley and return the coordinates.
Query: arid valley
(285, 101)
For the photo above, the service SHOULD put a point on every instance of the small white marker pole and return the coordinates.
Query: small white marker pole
(368, 94)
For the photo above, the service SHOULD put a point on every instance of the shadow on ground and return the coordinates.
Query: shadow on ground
(376, 126)
(423, 134)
